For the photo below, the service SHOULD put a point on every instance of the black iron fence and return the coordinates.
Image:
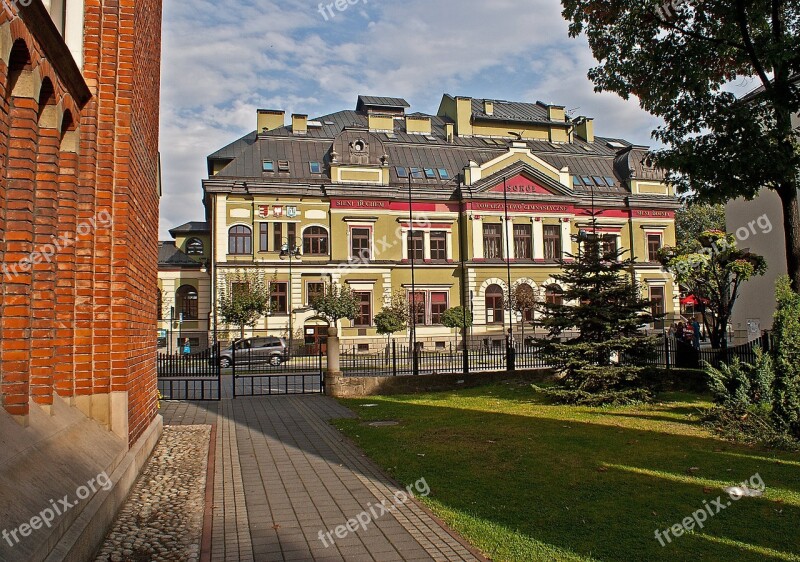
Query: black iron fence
(275, 369)
(190, 376)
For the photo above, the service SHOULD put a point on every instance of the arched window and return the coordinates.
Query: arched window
(194, 247)
(315, 241)
(240, 241)
(186, 302)
(554, 295)
(494, 304)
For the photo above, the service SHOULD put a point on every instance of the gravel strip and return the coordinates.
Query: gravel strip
(162, 519)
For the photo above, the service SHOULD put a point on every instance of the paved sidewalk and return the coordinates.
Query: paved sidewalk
(283, 474)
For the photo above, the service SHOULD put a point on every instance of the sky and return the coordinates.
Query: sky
(222, 60)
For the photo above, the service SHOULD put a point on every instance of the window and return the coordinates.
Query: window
(240, 241)
(657, 306)
(438, 306)
(494, 304)
(416, 245)
(315, 241)
(430, 174)
(360, 244)
(416, 173)
(278, 301)
(444, 174)
(401, 172)
(268, 166)
(314, 290)
(610, 181)
(492, 241)
(598, 181)
(608, 245)
(552, 242)
(554, 295)
(315, 167)
(277, 236)
(525, 301)
(291, 234)
(438, 245)
(186, 301)
(576, 181)
(419, 308)
(160, 305)
(283, 165)
(587, 181)
(653, 246)
(194, 247)
(523, 246)
(364, 314)
(263, 237)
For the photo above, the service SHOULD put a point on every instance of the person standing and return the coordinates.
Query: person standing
(187, 347)
(696, 334)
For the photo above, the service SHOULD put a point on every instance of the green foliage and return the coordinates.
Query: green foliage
(739, 386)
(389, 322)
(714, 271)
(695, 219)
(604, 307)
(457, 317)
(523, 298)
(679, 62)
(243, 299)
(786, 329)
(336, 303)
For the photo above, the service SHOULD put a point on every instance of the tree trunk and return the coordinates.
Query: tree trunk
(791, 229)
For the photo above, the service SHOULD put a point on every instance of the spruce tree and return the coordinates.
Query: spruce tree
(604, 311)
(786, 360)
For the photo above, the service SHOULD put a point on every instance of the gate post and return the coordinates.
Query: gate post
(394, 358)
(233, 367)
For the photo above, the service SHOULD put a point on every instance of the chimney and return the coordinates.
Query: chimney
(556, 113)
(449, 131)
(419, 124)
(464, 116)
(381, 122)
(488, 107)
(299, 124)
(584, 128)
(269, 119)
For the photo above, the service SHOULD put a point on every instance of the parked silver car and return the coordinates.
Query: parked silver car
(250, 351)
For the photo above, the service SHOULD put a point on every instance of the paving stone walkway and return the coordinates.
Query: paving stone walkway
(282, 474)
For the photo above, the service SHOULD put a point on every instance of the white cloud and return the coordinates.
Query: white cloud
(222, 60)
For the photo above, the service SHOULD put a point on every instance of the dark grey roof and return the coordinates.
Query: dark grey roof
(760, 90)
(170, 255)
(193, 227)
(511, 111)
(380, 101)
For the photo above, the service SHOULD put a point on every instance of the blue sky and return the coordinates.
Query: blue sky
(224, 59)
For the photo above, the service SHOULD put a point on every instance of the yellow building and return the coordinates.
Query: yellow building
(184, 288)
(347, 190)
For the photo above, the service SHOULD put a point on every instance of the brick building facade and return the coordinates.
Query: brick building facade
(79, 194)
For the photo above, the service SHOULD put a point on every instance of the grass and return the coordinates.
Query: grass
(522, 480)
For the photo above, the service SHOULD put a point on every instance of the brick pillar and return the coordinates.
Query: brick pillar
(45, 232)
(65, 282)
(16, 299)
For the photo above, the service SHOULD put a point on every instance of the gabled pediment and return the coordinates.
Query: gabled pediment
(521, 179)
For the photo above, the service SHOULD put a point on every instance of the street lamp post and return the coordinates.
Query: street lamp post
(289, 249)
(412, 251)
(510, 350)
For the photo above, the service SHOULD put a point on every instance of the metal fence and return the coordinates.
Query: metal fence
(193, 376)
(268, 371)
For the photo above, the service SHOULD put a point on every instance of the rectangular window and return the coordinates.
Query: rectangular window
(278, 293)
(438, 306)
(493, 241)
(283, 165)
(314, 290)
(360, 244)
(416, 246)
(552, 242)
(291, 235)
(653, 246)
(657, 306)
(277, 236)
(444, 174)
(263, 237)
(523, 241)
(430, 174)
(401, 172)
(419, 308)
(416, 173)
(364, 315)
(438, 245)
(608, 244)
(576, 181)
(268, 166)
(315, 167)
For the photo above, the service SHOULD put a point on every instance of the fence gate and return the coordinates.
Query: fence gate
(266, 372)
(193, 376)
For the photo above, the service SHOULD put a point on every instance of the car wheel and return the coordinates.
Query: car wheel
(224, 363)
(275, 360)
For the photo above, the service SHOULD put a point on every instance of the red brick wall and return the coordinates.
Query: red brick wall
(82, 323)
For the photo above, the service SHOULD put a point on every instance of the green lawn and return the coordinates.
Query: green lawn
(525, 481)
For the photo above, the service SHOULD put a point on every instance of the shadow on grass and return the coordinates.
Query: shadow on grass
(596, 490)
